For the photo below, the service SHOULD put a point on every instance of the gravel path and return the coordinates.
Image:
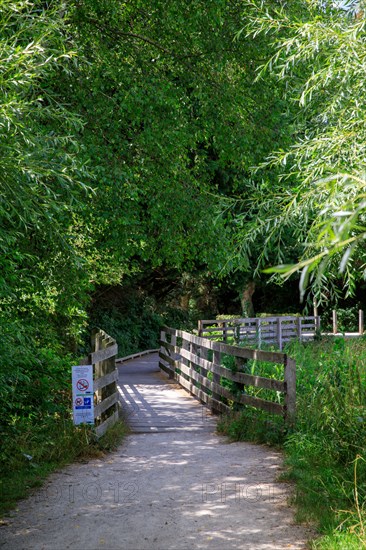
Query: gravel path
(173, 484)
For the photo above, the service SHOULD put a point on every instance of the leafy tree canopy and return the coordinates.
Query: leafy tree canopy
(173, 120)
(318, 54)
(42, 180)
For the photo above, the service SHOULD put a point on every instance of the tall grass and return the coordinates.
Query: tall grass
(326, 450)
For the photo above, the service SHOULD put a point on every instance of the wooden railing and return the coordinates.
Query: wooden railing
(105, 374)
(270, 330)
(196, 363)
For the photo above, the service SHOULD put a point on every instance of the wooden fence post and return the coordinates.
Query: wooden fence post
(317, 323)
(216, 359)
(103, 359)
(186, 345)
(95, 338)
(259, 335)
(360, 322)
(203, 371)
(290, 395)
(335, 325)
(279, 332)
(299, 319)
(200, 328)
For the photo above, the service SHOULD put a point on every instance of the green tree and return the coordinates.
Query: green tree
(41, 177)
(318, 53)
(173, 120)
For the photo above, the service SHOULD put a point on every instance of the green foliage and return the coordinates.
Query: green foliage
(42, 179)
(253, 425)
(331, 382)
(36, 431)
(134, 317)
(135, 331)
(173, 120)
(316, 208)
(34, 378)
(347, 318)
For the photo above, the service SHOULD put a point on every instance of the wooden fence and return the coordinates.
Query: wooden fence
(361, 324)
(105, 374)
(270, 330)
(196, 363)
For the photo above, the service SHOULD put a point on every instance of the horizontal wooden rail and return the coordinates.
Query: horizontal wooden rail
(135, 355)
(103, 354)
(196, 363)
(105, 380)
(105, 404)
(247, 379)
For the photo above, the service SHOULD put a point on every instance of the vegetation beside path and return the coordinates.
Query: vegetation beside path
(326, 450)
(42, 441)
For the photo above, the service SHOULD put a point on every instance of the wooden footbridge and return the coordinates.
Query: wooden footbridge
(173, 483)
(222, 377)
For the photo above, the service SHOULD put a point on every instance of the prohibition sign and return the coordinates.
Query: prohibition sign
(78, 401)
(82, 384)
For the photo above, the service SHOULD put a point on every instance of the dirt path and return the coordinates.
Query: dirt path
(174, 484)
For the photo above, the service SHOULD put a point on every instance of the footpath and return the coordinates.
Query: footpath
(172, 484)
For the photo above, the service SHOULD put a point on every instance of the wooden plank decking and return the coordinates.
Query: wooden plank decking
(153, 403)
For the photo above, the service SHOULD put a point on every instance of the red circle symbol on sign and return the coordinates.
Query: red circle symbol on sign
(82, 384)
(78, 401)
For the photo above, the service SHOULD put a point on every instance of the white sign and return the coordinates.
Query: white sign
(83, 394)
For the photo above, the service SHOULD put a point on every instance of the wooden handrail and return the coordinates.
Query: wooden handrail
(187, 362)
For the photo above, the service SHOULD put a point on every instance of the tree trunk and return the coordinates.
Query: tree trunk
(246, 300)
(184, 301)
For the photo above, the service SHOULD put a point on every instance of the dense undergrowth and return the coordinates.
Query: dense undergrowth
(326, 449)
(134, 319)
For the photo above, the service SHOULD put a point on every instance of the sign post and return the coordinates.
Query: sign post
(83, 394)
